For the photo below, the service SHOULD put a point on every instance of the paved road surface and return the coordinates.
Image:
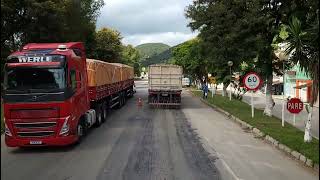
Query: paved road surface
(301, 118)
(242, 155)
(156, 144)
(134, 144)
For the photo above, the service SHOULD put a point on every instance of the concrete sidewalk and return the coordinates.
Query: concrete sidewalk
(242, 155)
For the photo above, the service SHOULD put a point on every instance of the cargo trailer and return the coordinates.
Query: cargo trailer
(165, 85)
(53, 94)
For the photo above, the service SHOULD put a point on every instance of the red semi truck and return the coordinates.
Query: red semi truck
(53, 94)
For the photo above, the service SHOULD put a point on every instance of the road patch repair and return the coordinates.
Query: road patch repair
(258, 133)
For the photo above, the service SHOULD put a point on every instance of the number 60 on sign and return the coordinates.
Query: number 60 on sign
(252, 81)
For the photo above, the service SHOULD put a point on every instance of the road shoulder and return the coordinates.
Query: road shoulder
(241, 155)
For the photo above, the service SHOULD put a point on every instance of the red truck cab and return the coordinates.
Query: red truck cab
(45, 94)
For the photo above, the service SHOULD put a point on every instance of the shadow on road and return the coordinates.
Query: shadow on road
(42, 149)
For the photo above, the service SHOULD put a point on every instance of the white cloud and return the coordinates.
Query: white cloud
(170, 38)
(141, 21)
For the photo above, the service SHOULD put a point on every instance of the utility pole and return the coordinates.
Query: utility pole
(230, 64)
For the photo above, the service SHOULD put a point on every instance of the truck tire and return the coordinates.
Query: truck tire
(124, 98)
(131, 92)
(105, 110)
(99, 116)
(81, 131)
(120, 99)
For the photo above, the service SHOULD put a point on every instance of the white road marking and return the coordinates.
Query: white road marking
(224, 163)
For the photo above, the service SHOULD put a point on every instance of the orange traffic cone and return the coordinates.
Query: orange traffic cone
(139, 102)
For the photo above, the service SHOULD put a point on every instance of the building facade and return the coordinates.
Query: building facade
(298, 84)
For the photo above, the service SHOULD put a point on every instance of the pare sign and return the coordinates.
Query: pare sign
(295, 105)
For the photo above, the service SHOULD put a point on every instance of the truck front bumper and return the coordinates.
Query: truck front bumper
(50, 141)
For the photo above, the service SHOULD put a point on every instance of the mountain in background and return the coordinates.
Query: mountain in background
(150, 49)
(163, 57)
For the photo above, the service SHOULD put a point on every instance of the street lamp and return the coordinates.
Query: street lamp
(283, 57)
(230, 64)
(283, 95)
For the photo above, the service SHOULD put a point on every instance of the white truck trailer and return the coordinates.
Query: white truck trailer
(165, 85)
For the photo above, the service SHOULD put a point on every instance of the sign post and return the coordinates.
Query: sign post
(212, 81)
(252, 82)
(294, 106)
(252, 106)
(230, 94)
(212, 91)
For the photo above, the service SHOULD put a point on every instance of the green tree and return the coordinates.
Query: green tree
(241, 30)
(304, 49)
(108, 45)
(131, 57)
(223, 32)
(188, 55)
(80, 22)
(24, 21)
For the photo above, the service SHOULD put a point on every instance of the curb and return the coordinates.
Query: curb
(268, 139)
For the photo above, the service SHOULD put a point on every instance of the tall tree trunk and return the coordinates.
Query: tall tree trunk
(307, 130)
(224, 89)
(269, 101)
(314, 98)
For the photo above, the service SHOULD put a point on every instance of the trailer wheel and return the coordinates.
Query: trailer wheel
(99, 116)
(118, 106)
(124, 98)
(105, 111)
(121, 100)
(131, 92)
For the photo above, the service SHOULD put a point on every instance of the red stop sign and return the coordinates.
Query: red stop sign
(295, 105)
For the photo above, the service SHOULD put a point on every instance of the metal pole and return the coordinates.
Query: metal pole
(283, 100)
(212, 90)
(294, 119)
(230, 85)
(252, 106)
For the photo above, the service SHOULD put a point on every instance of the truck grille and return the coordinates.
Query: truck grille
(34, 125)
(36, 134)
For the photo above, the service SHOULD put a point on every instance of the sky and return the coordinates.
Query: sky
(147, 21)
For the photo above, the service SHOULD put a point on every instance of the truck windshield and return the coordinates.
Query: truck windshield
(27, 79)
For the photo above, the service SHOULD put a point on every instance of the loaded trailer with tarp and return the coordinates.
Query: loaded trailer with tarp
(53, 94)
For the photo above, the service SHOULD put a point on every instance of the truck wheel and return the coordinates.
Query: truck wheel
(99, 117)
(131, 92)
(119, 105)
(80, 131)
(104, 111)
(124, 98)
(121, 100)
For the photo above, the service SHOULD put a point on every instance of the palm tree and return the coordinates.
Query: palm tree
(303, 44)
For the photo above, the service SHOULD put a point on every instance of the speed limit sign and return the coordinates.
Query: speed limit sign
(252, 81)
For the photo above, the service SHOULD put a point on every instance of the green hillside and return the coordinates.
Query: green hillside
(151, 49)
(163, 57)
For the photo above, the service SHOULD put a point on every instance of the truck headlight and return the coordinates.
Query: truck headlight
(6, 129)
(65, 127)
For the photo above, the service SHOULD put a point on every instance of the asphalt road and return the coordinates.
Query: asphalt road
(136, 143)
(242, 156)
(140, 143)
